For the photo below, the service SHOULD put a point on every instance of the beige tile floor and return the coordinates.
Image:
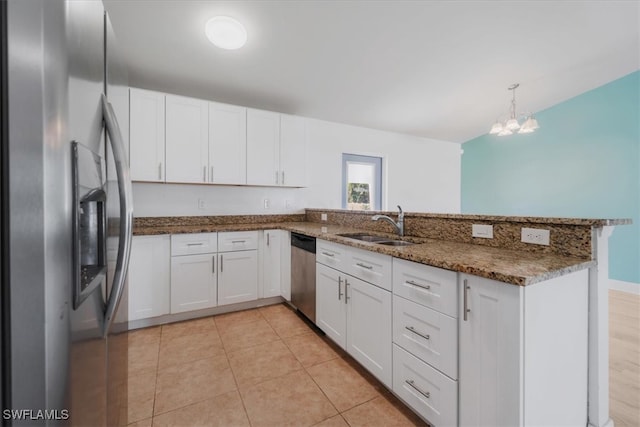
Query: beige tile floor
(262, 367)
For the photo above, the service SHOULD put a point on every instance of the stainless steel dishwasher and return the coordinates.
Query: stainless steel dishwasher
(303, 274)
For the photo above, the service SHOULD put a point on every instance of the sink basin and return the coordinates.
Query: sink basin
(395, 243)
(365, 237)
(376, 239)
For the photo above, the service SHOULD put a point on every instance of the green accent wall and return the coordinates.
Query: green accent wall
(584, 161)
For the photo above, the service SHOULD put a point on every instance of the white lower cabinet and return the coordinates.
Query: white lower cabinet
(357, 316)
(523, 352)
(237, 277)
(149, 286)
(237, 267)
(276, 264)
(331, 312)
(193, 272)
(430, 393)
(369, 327)
(193, 282)
(427, 334)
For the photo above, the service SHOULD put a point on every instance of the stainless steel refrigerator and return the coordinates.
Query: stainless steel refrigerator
(66, 215)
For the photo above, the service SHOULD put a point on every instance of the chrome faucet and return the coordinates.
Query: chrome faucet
(399, 226)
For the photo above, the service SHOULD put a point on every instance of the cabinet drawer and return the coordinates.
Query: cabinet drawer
(331, 254)
(431, 394)
(370, 266)
(192, 244)
(429, 286)
(427, 334)
(237, 241)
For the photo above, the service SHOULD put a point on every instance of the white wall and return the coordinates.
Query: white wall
(419, 174)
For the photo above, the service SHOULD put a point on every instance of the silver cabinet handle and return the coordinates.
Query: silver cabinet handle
(412, 329)
(411, 282)
(282, 177)
(346, 291)
(211, 175)
(221, 263)
(238, 241)
(204, 174)
(160, 170)
(195, 244)
(276, 177)
(415, 387)
(368, 267)
(339, 288)
(327, 254)
(267, 239)
(213, 264)
(465, 308)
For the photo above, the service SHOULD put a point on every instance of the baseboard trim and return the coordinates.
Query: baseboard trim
(620, 285)
(189, 315)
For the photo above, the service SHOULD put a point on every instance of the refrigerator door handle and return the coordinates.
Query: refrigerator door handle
(126, 213)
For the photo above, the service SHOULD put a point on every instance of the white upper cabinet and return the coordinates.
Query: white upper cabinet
(227, 144)
(187, 142)
(263, 142)
(146, 135)
(293, 151)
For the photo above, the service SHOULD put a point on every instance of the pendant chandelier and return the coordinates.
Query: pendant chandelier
(511, 125)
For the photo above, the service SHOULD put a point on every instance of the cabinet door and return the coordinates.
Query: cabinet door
(369, 327)
(490, 353)
(331, 309)
(293, 151)
(227, 144)
(193, 282)
(187, 142)
(285, 265)
(271, 263)
(237, 277)
(263, 141)
(146, 135)
(149, 287)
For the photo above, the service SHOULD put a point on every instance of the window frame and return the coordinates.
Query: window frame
(377, 162)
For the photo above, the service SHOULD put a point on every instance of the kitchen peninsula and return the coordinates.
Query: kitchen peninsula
(526, 323)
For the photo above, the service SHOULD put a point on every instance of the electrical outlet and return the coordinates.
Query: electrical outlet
(201, 204)
(267, 204)
(323, 217)
(537, 236)
(482, 230)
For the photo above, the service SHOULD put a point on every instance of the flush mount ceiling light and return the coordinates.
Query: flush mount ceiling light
(225, 32)
(510, 125)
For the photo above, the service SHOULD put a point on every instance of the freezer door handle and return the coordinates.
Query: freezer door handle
(126, 213)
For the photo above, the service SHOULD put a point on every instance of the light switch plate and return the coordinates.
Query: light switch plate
(323, 216)
(484, 231)
(537, 236)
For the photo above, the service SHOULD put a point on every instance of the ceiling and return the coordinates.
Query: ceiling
(436, 69)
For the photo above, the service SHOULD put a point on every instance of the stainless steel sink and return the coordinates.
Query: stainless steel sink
(364, 237)
(395, 243)
(376, 239)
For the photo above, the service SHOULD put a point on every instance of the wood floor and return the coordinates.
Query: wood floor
(624, 358)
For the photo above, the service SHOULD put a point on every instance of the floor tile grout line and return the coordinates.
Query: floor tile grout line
(155, 384)
(235, 380)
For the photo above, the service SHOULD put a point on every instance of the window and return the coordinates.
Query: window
(361, 182)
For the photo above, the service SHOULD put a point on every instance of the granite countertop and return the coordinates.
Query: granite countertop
(594, 222)
(504, 265)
